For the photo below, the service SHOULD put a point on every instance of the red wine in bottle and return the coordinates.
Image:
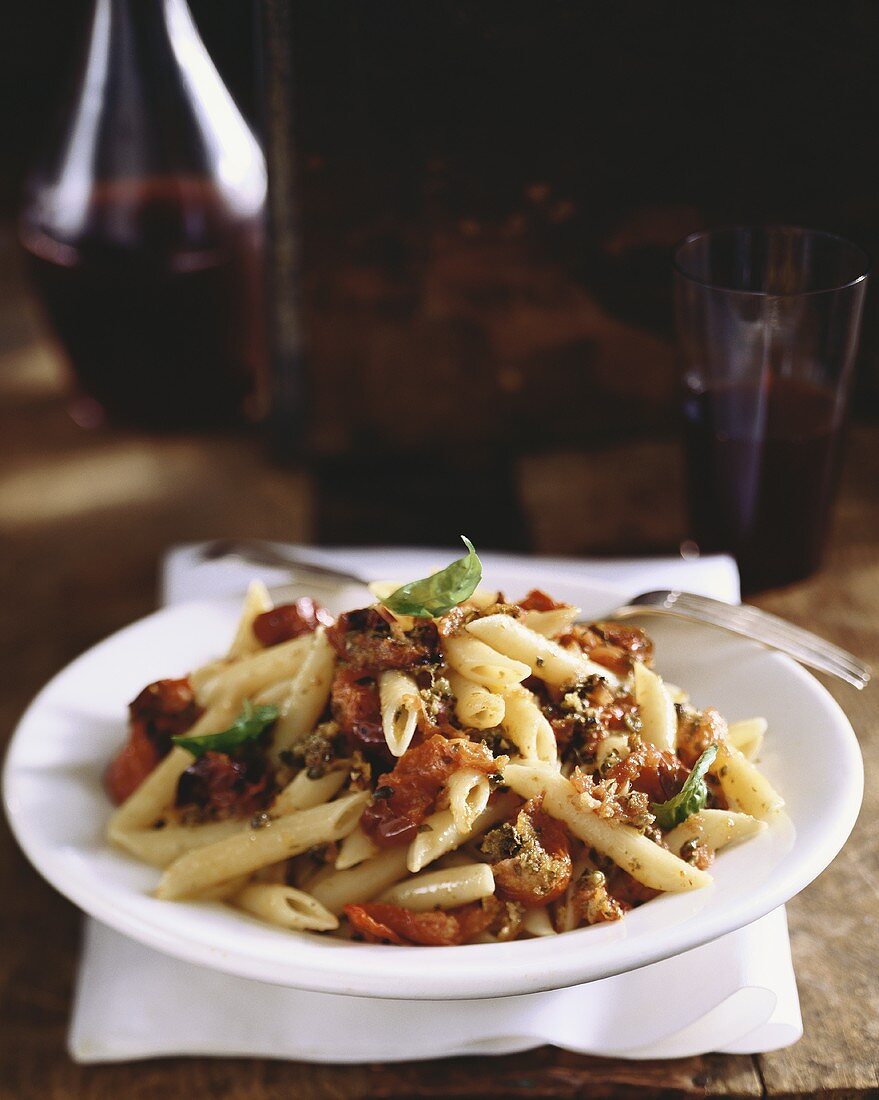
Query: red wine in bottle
(143, 225)
(157, 302)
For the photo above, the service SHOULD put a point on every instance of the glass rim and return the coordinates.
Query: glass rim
(866, 263)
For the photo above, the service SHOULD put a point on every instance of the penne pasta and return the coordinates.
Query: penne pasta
(537, 922)
(160, 847)
(252, 848)
(400, 707)
(440, 835)
(482, 598)
(223, 890)
(308, 696)
(484, 665)
(550, 623)
(747, 736)
(274, 695)
(286, 907)
(155, 794)
(301, 793)
(659, 720)
(256, 602)
(202, 679)
(245, 678)
(644, 860)
(476, 706)
(744, 787)
(354, 849)
(468, 793)
(715, 828)
(363, 882)
(444, 889)
(525, 725)
(544, 658)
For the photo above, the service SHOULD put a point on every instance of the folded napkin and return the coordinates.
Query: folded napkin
(735, 995)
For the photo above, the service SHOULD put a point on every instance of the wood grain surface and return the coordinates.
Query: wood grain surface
(85, 518)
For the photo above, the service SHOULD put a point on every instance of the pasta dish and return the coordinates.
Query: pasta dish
(444, 766)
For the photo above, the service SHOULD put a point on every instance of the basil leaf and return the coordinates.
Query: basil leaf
(250, 724)
(691, 798)
(439, 593)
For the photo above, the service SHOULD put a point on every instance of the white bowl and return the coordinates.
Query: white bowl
(58, 812)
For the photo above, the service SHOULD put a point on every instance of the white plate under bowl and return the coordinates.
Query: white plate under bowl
(58, 811)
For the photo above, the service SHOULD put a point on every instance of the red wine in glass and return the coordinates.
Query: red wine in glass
(762, 462)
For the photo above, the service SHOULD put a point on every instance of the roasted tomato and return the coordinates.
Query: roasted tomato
(365, 639)
(289, 621)
(404, 797)
(381, 923)
(219, 786)
(163, 710)
(612, 657)
(613, 645)
(536, 868)
(538, 600)
(656, 772)
(354, 704)
(131, 765)
(167, 708)
(370, 922)
(632, 639)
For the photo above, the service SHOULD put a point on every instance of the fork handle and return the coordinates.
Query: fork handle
(850, 670)
(265, 554)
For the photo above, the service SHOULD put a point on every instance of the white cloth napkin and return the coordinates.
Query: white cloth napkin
(735, 995)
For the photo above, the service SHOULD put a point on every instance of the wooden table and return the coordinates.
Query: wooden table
(85, 518)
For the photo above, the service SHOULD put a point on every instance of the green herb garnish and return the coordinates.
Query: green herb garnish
(690, 799)
(250, 724)
(439, 593)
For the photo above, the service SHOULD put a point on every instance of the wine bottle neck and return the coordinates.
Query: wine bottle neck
(150, 105)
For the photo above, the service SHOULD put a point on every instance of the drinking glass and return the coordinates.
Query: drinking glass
(768, 320)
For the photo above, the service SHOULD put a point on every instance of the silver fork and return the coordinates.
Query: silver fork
(257, 552)
(750, 622)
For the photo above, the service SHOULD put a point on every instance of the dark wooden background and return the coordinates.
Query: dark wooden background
(489, 192)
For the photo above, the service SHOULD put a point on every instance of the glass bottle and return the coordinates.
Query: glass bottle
(144, 228)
